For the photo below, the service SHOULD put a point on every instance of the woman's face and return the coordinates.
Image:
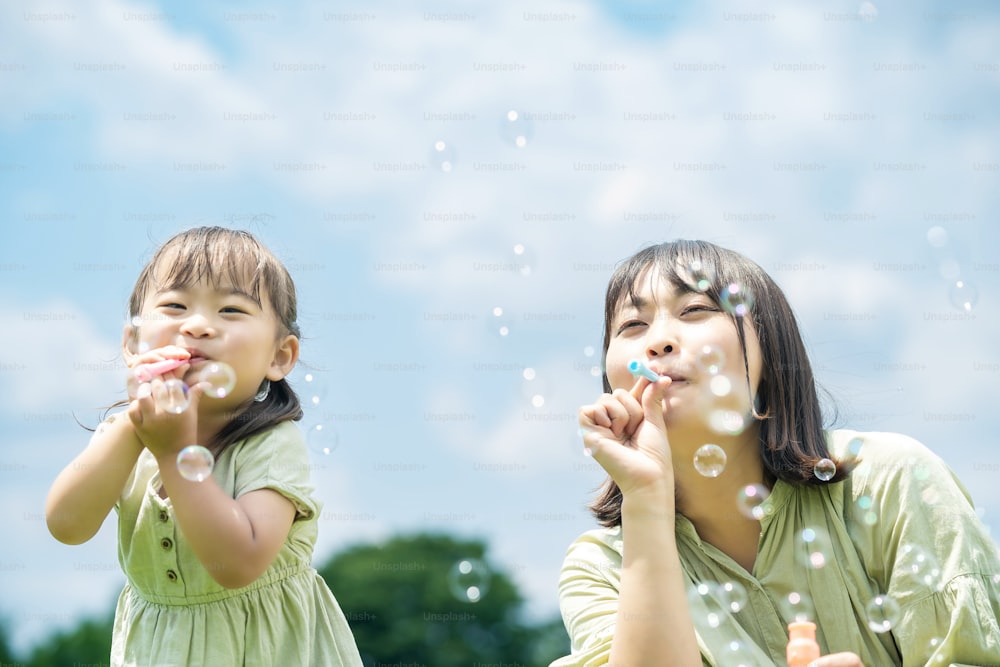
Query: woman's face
(684, 334)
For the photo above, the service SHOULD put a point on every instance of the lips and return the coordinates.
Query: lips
(196, 356)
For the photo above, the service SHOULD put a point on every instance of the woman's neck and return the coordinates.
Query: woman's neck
(712, 503)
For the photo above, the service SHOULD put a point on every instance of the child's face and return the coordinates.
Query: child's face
(219, 323)
(669, 330)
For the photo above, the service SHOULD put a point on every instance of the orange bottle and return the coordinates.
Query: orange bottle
(802, 647)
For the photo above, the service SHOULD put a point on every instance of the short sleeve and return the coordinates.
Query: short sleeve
(931, 555)
(588, 599)
(279, 460)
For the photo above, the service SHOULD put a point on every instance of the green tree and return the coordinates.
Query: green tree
(6, 652)
(435, 600)
(89, 643)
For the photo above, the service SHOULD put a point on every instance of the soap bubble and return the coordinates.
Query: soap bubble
(524, 259)
(825, 470)
(220, 377)
(937, 237)
(322, 438)
(702, 275)
(963, 295)
(750, 500)
(920, 564)
(705, 600)
(733, 595)
(797, 606)
(735, 654)
(868, 516)
(135, 343)
(312, 390)
(498, 321)
(854, 446)
(516, 128)
(883, 613)
(195, 463)
(469, 580)
(868, 12)
(589, 364)
(728, 422)
(720, 386)
(442, 156)
(533, 388)
(710, 359)
(710, 460)
(736, 300)
(813, 548)
(171, 396)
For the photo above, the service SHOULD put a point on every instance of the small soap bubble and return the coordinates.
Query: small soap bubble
(524, 259)
(797, 606)
(933, 646)
(534, 388)
(220, 377)
(868, 515)
(733, 595)
(720, 386)
(442, 156)
(710, 460)
(705, 600)
(516, 128)
(710, 359)
(312, 390)
(735, 654)
(594, 369)
(963, 295)
(825, 470)
(883, 613)
(702, 275)
(937, 237)
(736, 300)
(813, 548)
(195, 463)
(322, 438)
(854, 446)
(750, 501)
(868, 12)
(920, 564)
(728, 422)
(469, 580)
(171, 396)
(498, 321)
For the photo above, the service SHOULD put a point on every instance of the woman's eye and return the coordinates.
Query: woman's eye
(630, 324)
(699, 307)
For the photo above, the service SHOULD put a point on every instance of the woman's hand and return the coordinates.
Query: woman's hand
(625, 433)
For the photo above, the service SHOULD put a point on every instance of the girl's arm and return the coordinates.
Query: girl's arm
(628, 438)
(87, 489)
(235, 539)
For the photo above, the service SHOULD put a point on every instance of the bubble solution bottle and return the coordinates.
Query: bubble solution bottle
(802, 647)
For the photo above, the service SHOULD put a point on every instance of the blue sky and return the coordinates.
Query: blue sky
(823, 141)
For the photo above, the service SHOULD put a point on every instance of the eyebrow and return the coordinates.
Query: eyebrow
(639, 303)
(232, 291)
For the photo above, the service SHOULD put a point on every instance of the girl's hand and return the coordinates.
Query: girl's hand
(152, 356)
(625, 433)
(164, 433)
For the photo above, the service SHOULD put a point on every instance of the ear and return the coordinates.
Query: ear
(286, 354)
(130, 342)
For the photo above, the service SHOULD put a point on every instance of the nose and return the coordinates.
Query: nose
(196, 325)
(662, 339)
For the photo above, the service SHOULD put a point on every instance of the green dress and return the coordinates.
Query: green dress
(172, 613)
(892, 564)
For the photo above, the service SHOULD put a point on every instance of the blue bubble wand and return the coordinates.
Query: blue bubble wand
(639, 369)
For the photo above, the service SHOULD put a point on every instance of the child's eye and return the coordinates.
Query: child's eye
(233, 309)
(173, 305)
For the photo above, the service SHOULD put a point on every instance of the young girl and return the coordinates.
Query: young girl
(219, 571)
(708, 552)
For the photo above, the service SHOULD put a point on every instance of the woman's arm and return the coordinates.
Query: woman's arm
(628, 438)
(86, 490)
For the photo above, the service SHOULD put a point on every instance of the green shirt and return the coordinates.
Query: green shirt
(172, 613)
(902, 527)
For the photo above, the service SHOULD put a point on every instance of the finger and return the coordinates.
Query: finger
(633, 411)
(638, 387)
(617, 407)
(594, 415)
(652, 402)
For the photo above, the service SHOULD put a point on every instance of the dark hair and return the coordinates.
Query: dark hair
(787, 405)
(218, 254)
